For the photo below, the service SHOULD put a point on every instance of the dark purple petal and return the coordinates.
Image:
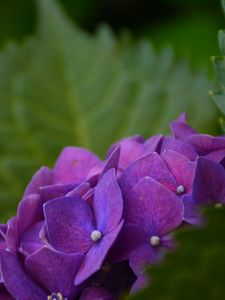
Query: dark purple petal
(129, 239)
(142, 257)
(4, 294)
(181, 167)
(151, 165)
(55, 271)
(209, 182)
(96, 293)
(74, 164)
(204, 143)
(112, 161)
(131, 149)
(89, 197)
(108, 203)
(153, 144)
(80, 190)
(30, 240)
(70, 222)
(17, 281)
(30, 211)
(54, 191)
(93, 260)
(180, 147)
(93, 180)
(154, 208)
(41, 178)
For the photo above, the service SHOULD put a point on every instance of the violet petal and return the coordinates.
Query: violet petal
(70, 222)
(108, 202)
(93, 260)
(181, 167)
(209, 182)
(73, 165)
(153, 207)
(55, 271)
(151, 165)
(41, 178)
(180, 147)
(20, 285)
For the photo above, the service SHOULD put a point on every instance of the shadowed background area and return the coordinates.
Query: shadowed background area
(190, 26)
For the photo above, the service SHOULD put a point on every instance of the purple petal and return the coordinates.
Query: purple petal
(70, 222)
(30, 211)
(153, 144)
(96, 293)
(217, 155)
(19, 284)
(131, 149)
(41, 178)
(181, 130)
(74, 164)
(108, 203)
(4, 294)
(93, 180)
(30, 240)
(209, 182)
(80, 190)
(204, 143)
(181, 167)
(182, 117)
(54, 191)
(151, 165)
(141, 282)
(12, 234)
(55, 271)
(112, 161)
(180, 147)
(142, 257)
(192, 212)
(93, 260)
(153, 207)
(89, 197)
(3, 230)
(129, 239)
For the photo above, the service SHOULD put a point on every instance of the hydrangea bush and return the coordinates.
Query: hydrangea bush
(89, 229)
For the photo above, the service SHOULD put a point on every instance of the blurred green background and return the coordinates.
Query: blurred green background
(191, 26)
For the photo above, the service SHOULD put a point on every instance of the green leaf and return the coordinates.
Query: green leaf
(219, 65)
(196, 269)
(64, 86)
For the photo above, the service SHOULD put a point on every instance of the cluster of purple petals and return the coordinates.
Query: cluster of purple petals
(88, 229)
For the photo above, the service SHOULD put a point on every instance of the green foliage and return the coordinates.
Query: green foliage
(64, 87)
(196, 270)
(219, 64)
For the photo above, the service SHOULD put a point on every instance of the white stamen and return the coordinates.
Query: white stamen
(155, 240)
(218, 205)
(180, 189)
(96, 235)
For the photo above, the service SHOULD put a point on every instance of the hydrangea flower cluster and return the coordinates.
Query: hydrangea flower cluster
(88, 229)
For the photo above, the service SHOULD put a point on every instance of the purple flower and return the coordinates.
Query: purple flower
(151, 212)
(88, 229)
